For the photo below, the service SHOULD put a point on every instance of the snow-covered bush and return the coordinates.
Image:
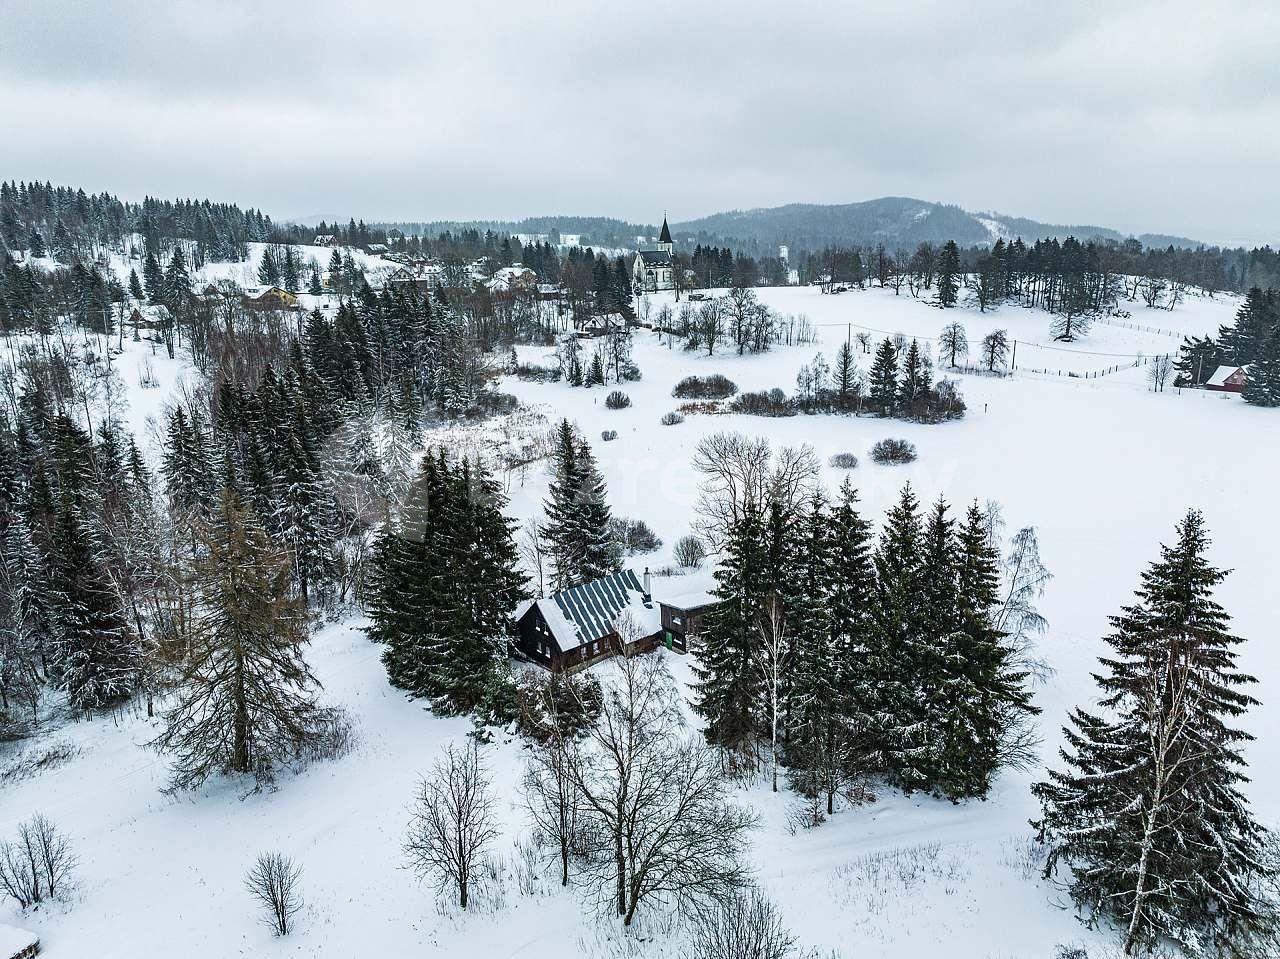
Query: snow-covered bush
(634, 535)
(747, 926)
(843, 461)
(617, 400)
(689, 552)
(672, 418)
(892, 452)
(608, 435)
(713, 387)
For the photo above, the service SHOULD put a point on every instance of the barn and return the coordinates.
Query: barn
(1227, 379)
(573, 628)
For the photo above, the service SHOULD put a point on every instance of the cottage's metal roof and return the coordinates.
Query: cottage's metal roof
(585, 613)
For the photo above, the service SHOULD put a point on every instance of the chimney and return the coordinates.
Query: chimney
(648, 596)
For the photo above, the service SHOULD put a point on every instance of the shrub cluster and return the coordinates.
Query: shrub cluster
(689, 552)
(672, 418)
(773, 402)
(608, 435)
(713, 387)
(893, 451)
(844, 461)
(537, 373)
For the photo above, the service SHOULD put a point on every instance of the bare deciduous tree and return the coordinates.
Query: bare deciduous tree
(37, 865)
(553, 800)
(660, 825)
(453, 821)
(747, 926)
(1158, 372)
(771, 655)
(995, 349)
(273, 882)
(739, 469)
(954, 343)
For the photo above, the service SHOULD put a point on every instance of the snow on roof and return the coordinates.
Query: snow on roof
(14, 940)
(582, 614)
(687, 592)
(1221, 375)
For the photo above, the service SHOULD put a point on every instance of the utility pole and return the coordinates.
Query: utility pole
(1013, 363)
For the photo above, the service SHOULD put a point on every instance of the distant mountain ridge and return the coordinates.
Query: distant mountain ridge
(894, 221)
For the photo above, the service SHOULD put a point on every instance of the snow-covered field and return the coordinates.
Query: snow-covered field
(1102, 468)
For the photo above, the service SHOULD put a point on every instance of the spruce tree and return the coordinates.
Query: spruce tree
(726, 687)
(995, 697)
(135, 286)
(1262, 379)
(153, 277)
(915, 382)
(898, 618)
(246, 700)
(268, 269)
(884, 378)
(948, 274)
(577, 533)
(177, 282)
(1147, 809)
(99, 657)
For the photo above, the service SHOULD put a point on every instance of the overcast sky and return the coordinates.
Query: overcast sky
(1161, 116)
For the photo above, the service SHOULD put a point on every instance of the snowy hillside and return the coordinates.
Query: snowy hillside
(1083, 451)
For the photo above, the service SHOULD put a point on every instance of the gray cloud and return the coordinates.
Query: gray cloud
(1146, 116)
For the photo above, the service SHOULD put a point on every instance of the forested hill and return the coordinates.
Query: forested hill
(893, 221)
(897, 222)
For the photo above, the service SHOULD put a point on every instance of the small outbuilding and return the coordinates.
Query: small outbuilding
(1227, 379)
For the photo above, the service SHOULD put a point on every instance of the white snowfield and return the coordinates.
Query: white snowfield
(1103, 468)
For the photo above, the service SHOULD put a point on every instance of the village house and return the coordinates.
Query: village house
(269, 298)
(376, 249)
(513, 279)
(654, 270)
(326, 239)
(575, 627)
(1227, 379)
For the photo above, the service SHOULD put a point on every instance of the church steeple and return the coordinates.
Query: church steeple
(664, 238)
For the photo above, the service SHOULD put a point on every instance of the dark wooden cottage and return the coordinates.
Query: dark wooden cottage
(575, 627)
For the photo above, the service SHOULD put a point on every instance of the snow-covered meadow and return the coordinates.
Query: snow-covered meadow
(1102, 467)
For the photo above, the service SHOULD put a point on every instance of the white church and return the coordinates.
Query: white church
(656, 269)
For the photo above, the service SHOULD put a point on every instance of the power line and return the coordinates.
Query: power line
(1024, 343)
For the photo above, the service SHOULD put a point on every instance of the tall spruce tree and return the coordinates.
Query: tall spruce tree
(726, 687)
(899, 618)
(1146, 809)
(884, 378)
(99, 655)
(246, 700)
(577, 533)
(948, 274)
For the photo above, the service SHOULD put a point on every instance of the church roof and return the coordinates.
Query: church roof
(655, 257)
(665, 235)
